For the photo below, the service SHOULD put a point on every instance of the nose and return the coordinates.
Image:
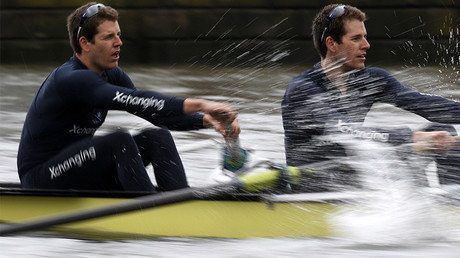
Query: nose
(366, 44)
(118, 41)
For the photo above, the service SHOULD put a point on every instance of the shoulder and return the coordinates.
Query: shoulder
(119, 77)
(306, 75)
(116, 72)
(303, 86)
(374, 72)
(72, 67)
(72, 73)
(374, 76)
(303, 80)
(309, 80)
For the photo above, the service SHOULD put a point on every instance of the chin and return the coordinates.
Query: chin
(112, 65)
(354, 67)
(359, 66)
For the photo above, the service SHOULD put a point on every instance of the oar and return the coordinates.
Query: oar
(249, 183)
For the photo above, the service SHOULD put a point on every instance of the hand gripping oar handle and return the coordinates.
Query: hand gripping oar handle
(424, 146)
(232, 145)
(234, 156)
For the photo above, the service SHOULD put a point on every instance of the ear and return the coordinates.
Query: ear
(84, 44)
(331, 44)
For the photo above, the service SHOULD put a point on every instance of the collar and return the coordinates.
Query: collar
(80, 65)
(77, 61)
(319, 77)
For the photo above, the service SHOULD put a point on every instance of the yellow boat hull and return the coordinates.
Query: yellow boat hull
(309, 215)
(197, 218)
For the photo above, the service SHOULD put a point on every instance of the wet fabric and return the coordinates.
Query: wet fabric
(115, 161)
(65, 114)
(316, 114)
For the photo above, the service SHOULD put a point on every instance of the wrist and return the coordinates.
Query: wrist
(207, 121)
(192, 106)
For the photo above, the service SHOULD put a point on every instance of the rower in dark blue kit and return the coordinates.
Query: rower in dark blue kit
(58, 149)
(333, 98)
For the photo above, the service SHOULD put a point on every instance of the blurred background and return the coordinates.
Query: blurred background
(229, 32)
(244, 52)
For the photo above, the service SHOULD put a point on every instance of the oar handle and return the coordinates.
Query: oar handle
(457, 139)
(232, 144)
(234, 156)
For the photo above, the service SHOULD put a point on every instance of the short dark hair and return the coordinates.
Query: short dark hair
(89, 28)
(336, 28)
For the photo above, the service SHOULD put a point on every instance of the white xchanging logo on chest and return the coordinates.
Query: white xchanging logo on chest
(82, 130)
(145, 103)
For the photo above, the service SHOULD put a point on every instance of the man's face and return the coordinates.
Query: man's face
(354, 45)
(105, 48)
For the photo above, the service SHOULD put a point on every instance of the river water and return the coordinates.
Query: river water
(395, 228)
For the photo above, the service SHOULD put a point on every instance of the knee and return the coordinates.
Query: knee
(120, 135)
(118, 138)
(157, 135)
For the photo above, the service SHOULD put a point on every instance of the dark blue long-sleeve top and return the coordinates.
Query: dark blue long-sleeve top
(314, 110)
(73, 102)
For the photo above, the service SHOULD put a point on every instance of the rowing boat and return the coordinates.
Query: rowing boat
(227, 216)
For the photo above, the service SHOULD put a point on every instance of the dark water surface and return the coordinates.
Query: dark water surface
(256, 93)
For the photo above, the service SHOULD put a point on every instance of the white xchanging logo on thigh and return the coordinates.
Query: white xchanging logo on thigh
(76, 160)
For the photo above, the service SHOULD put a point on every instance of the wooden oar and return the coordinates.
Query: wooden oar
(249, 183)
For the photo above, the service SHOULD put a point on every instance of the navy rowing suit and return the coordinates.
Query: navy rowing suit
(58, 148)
(314, 112)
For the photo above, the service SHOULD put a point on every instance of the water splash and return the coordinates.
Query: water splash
(398, 210)
(239, 64)
(215, 25)
(444, 50)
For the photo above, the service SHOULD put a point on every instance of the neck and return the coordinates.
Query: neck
(335, 72)
(85, 60)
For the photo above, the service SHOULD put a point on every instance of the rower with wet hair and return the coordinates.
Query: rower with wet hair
(331, 100)
(73, 102)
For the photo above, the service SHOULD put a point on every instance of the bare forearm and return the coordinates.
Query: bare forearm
(193, 105)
